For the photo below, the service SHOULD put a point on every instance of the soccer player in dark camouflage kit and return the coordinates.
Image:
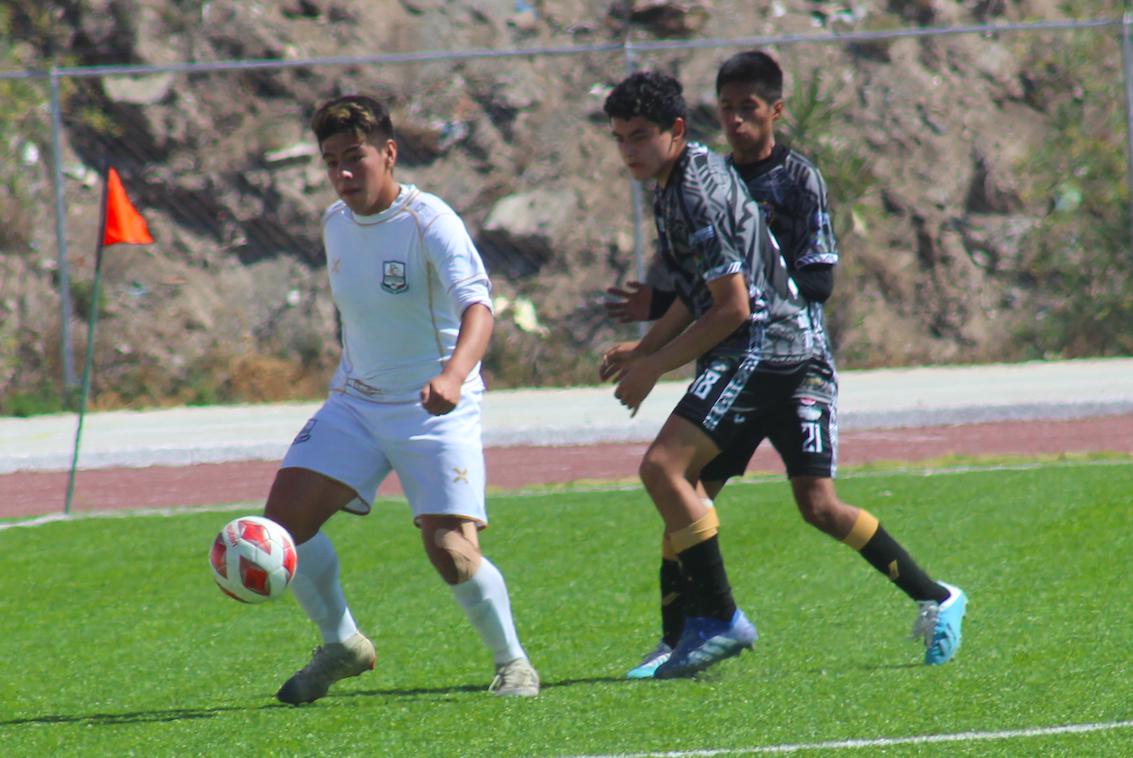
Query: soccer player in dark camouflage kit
(737, 314)
(804, 430)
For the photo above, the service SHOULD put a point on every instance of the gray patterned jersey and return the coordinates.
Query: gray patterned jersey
(792, 193)
(708, 227)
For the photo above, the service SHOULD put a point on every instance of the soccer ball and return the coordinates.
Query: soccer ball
(253, 559)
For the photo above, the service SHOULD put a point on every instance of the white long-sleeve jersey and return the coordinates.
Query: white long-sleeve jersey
(401, 280)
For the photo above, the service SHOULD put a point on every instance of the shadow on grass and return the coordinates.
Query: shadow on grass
(473, 688)
(138, 717)
(184, 714)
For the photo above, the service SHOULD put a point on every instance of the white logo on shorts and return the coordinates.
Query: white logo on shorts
(702, 387)
(807, 410)
(305, 433)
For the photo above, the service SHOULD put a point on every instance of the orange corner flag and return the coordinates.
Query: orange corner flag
(123, 222)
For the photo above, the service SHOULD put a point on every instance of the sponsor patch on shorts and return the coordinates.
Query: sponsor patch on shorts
(808, 409)
(305, 433)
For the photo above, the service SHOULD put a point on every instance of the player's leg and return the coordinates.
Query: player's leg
(723, 412)
(714, 627)
(672, 595)
(302, 500)
(859, 529)
(807, 439)
(478, 587)
(673, 590)
(441, 467)
(330, 466)
(940, 606)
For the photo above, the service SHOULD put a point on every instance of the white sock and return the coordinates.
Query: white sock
(485, 601)
(318, 590)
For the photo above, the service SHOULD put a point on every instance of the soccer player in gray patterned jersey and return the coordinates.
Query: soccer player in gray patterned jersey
(792, 193)
(737, 313)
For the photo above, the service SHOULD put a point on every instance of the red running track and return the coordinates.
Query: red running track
(37, 493)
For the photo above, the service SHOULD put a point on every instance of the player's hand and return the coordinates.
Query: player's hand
(631, 304)
(440, 395)
(614, 359)
(638, 377)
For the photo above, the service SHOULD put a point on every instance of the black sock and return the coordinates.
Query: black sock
(672, 602)
(711, 594)
(885, 555)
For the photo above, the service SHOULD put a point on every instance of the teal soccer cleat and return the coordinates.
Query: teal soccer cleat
(940, 625)
(706, 641)
(650, 662)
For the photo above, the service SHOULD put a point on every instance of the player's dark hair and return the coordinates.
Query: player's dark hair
(755, 68)
(654, 96)
(359, 115)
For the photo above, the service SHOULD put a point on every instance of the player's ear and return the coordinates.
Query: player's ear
(391, 153)
(776, 109)
(678, 128)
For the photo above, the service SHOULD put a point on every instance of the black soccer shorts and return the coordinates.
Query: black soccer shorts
(795, 408)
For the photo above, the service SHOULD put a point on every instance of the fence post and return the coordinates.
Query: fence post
(69, 380)
(1127, 75)
(635, 191)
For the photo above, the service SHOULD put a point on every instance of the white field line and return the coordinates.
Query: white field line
(553, 489)
(925, 739)
(251, 507)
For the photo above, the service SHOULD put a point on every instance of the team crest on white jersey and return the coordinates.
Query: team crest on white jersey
(393, 277)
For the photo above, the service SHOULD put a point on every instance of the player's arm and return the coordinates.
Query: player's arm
(442, 393)
(816, 283)
(453, 256)
(674, 321)
(638, 302)
(730, 308)
(659, 303)
(812, 267)
(642, 301)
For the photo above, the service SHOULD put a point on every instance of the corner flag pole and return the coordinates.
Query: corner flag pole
(87, 363)
(120, 223)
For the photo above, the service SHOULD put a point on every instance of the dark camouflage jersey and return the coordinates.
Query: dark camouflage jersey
(709, 227)
(792, 193)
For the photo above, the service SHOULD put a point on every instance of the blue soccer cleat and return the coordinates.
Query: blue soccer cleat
(940, 625)
(706, 641)
(648, 666)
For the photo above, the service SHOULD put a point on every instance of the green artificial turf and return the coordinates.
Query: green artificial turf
(115, 640)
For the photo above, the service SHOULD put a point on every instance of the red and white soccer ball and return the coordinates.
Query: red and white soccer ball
(253, 559)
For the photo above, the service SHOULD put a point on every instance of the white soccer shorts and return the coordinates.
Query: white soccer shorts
(438, 459)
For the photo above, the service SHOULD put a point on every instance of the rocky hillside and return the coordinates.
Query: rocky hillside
(978, 181)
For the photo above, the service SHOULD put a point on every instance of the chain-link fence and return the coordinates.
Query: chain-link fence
(979, 176)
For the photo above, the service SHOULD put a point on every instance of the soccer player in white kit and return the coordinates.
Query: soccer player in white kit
(413, 296)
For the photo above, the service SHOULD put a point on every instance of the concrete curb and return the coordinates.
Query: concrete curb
(879, 399)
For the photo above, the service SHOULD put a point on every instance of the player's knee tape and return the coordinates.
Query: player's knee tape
(668, 552)
(865, 526)
(464, 554)
(703, 529)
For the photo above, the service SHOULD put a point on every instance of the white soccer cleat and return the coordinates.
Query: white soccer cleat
(331, 662)
(515, 679)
